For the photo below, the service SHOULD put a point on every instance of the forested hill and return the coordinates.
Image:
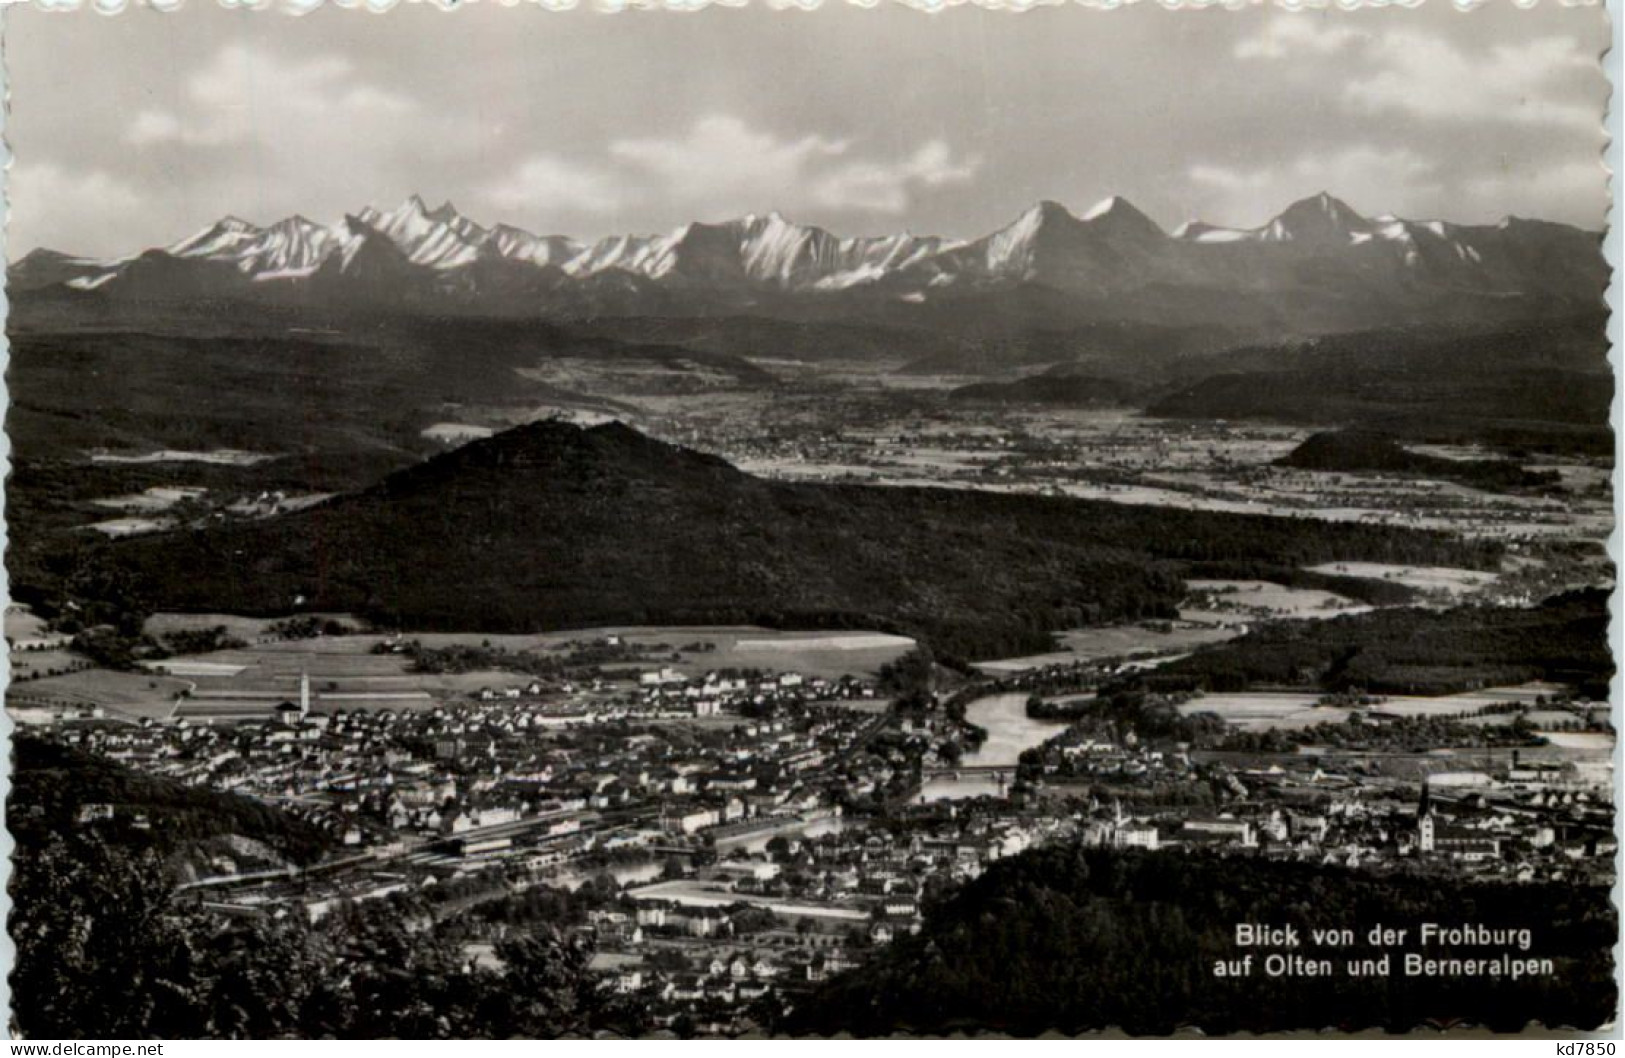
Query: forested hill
(52, 783)
(551, 526)
(1414, 651)
(1071, 939)
(1537, 386)
(1356, 451)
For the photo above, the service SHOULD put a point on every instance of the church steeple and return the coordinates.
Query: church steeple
(1426, 827)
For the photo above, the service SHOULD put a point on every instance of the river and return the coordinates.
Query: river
(1010, 731)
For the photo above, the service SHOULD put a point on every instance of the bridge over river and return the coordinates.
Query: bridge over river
(991, 767)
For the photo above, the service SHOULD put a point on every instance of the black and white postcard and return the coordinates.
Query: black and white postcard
(775, 522)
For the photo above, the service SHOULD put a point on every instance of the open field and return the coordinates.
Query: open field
(251, 681)
(26, 664)
(1470, 701)
(1276, 600)
(454, 433)
(130, 694)
(1264, 710)
(27, 632)
(346, 674)
(1118, 455)
(247, 629)
(23, 624)
(129, 526)
(1122, 641)
(827, 654)
(156, 498)
(188, 668)
(1424, 578)
(1586, 741)
(219, 456)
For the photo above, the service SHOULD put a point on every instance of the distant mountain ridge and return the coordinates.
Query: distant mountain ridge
(1318, 264)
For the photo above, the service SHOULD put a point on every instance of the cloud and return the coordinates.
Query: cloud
(1547, 80)
(722, 165)
(248, 94)
(1367, 176)
(878, 187)
(550, 183)
(154, 126)
(1528, 194)
(722, 159)
(47, 199)
(1540, 81)
(1295, 35)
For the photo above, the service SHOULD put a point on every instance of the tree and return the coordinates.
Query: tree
(100, 950)
(546, 991)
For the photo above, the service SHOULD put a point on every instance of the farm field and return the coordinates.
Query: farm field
(346, 674)
(22, 623)
(130, 694)
(827, 654)
(1138, 459)
(129, 526)
(455, 433)
(1276, 600)
(1469, 701)
(27, 664)
(250, 681)
(156, 498)
(187, 668)
(1456, 582)
(1120, 641)
(219, 456)
(1265, 710)
(1585, 741)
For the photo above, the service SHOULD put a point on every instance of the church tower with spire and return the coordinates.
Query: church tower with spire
(1426, 825)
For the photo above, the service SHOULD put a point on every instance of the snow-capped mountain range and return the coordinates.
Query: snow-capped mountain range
(1112, 250)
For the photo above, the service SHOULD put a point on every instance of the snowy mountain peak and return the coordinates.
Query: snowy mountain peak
(1111, 249)
(1045, 211)
(442, 239)
(1120, 216)
(298, 222)
(1321, 218)
(517, 244)
(223, 236)
(1203, 232)
(1103, 207)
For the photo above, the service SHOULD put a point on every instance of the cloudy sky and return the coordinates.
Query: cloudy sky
(135, 130)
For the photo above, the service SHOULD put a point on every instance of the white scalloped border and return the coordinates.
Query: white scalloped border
(297, 7)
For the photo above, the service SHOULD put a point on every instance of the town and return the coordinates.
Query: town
(733, 837)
